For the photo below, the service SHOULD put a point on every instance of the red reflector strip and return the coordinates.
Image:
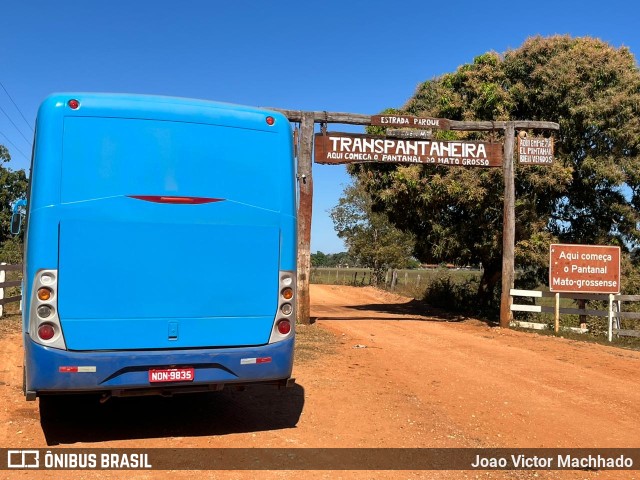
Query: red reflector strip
(247, 361)
(175, 200)
(253, 360)
(77, 369)
(68, 369)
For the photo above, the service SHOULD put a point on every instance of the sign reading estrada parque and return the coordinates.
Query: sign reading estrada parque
(409, 121)
(584, 268)
(337, 148)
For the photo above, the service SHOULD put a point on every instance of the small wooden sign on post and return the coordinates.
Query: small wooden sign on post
(535, 150)
(337, 148)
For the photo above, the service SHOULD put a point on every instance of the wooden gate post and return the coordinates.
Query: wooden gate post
(508, 227)
(305, 210)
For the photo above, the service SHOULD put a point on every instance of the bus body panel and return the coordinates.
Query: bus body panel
(116, 370)
(213, 284)
(139, 271)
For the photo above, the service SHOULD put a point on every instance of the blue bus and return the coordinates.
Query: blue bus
(160, 247)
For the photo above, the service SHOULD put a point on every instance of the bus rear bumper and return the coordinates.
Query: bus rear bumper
(125, 373)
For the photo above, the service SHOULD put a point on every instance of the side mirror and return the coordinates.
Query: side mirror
(16, 223)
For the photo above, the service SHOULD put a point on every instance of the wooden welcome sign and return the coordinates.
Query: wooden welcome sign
(339, 148)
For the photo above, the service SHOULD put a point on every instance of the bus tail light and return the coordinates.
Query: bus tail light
(46, 331)
(283, 328)
(44, 294)
(44, 311)
(44, 322)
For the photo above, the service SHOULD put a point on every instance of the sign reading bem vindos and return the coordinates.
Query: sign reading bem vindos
(336, 148)
(535, 150)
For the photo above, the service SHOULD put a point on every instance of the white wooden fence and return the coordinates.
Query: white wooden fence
(4, 268)
(614, 313)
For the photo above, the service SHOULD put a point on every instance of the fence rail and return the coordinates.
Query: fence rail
(614, 313)
(8, 284)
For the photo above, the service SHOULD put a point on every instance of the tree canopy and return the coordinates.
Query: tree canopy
(591, 194)
(371, 239)
(13, 185)
(321, 259)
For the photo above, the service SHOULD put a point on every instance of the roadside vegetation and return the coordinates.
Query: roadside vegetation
(13, 185)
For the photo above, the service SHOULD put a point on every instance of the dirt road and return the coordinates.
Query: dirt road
(375, 371)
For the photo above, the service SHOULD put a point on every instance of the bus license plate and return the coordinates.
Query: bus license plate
(172, 375)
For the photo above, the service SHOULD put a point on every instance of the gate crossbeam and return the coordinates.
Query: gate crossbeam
(305, 161)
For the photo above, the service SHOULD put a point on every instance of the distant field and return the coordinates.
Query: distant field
(362, 276)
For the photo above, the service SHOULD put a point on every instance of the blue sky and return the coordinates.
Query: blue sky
(350, 56)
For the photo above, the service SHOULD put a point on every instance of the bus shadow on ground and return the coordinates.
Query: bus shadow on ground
(415, 310)
(82, 418)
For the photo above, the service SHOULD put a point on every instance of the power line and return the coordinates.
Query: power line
(17, 108)
(13, 123)
(14, 146)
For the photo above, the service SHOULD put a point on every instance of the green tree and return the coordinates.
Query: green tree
(13, 185)
(319, 259)
(590, 195)
(341, 259)
(371, 239)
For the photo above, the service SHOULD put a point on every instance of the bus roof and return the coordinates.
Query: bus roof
(160, 107)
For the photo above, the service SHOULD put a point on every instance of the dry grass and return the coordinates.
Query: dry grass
(630, 343)
(312, 342)
(10, 323)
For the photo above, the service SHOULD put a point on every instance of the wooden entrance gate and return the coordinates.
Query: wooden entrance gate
(414, 153)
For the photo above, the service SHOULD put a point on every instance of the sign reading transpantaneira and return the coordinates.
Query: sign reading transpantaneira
(584, 268)
(535, 150)
(408, 121)
(336, 148)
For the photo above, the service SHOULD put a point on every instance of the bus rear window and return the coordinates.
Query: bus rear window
(106, 157)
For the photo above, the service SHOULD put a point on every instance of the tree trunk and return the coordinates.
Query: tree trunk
(490, 277)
